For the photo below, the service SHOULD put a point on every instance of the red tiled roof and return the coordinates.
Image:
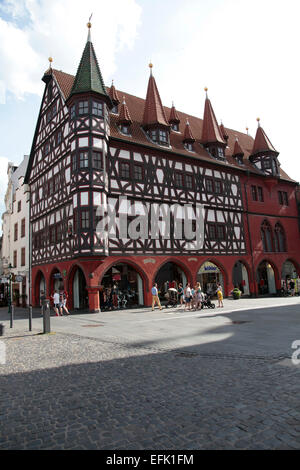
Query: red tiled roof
(211, 132)
(261, 142)
(136, 106)
(124, 115)
(153, 111)
(223, 132)
(174, 116)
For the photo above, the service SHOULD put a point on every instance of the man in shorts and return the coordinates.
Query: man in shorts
(57, 305)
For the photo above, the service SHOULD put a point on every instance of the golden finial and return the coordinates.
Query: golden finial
(247, 129)
(206, 89)
(89, 25)
(258, 119)
(150, 65)
(50, 59)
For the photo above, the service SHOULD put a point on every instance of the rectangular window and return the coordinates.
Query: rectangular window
(280, 198)
(48, 116)
(154, 135)
(115, 109)
(15, 258)
(19, 206)
(47, 148)
(58, 232)
(285, 198)
(260, 194)
(74, 162)
(16, 232)
(22, 256)
(254, 193)
(125, 129)
(73, 112)
(124, 170)
(221, 232)
(54, 111)
(175, 127)
(83, 107)
(50, 187)
(85, 219)
(97, 160)
(178, 180)
(58, 137)
(138, 172)
(212, 231)
(189, 146)
(97, 109)
(218, 187)
(209, 185)
(83, 160)
(220, 152)
(52, 234)
(163, 136)
(189, 181)
(23, 228)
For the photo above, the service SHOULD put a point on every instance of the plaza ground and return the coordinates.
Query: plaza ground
(137, 379)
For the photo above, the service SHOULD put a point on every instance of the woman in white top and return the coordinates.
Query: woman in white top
(188, 296)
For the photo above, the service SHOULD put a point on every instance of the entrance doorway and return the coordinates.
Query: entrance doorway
(240, 277)
(209, 275)
(80, 294)
(169, 275)
(122, 288)
(266, 279)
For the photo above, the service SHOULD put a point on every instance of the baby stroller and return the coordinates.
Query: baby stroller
(172, 297)
(207, 302)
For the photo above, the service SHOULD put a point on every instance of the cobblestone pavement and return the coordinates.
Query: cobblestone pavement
(65, 391)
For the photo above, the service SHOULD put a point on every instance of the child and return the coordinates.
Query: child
(220, 295)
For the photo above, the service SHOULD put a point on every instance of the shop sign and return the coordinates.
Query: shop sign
(117, 277)
(19, 278)
(209, 267)
(57, 276)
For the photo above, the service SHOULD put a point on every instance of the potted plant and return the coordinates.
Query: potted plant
(236, 293)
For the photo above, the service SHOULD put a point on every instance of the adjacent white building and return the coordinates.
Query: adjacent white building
(15, 227)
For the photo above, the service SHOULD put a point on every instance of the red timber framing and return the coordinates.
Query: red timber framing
(81, 160)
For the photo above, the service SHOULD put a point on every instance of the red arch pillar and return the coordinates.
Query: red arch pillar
(94, 301)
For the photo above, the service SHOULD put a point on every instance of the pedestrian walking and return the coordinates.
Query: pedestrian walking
(63, 302)
(187, 296)
(180, 294)
(292, 287)
(155, 298)
(220, 295)
(57, 307)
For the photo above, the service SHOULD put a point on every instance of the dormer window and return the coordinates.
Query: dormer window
(124, 129)
(163, 137)
(115, 109)
(220, 152)
(189, 146)
(97, 109)
(159, 136)
(175, 126)
(154, 135)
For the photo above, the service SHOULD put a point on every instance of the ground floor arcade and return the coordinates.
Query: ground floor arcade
(126, 281)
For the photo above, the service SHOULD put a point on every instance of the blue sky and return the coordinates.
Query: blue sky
(245, 52)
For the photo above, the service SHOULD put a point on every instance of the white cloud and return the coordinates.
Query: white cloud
(39, 28)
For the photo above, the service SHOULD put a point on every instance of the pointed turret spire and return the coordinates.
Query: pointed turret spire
(154, 113)
(262, 142)
(113, 94)
(237, 151)
(224, 132)
(88, 77)
(211, 133)
(124, 115)
(174, 118)
(188, 135)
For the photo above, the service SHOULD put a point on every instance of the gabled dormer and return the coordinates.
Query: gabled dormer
(188, 138)
(238, 153)
(263, 155)
(113, 94)
(212, 138)
(154, 119)
(174, 120)
(124, 120)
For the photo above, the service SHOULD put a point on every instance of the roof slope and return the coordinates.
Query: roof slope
(262, 142)
(153, 111)
(136, 106)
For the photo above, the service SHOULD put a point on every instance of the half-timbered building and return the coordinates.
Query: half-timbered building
(99, 151)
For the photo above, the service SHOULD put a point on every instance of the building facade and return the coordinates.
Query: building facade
(100, 154)
(15, 241)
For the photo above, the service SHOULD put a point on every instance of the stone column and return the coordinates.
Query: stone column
(94, 302)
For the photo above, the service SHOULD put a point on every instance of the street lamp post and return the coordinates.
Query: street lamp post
(9, 288)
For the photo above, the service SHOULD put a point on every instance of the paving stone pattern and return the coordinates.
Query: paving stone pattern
(62, 391)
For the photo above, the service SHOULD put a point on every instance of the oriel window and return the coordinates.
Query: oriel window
(97, 160)
(97, 109)
(85, 219)
(83, 160)
(83, 107)
(124, 170)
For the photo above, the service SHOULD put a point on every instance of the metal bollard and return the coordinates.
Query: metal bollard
(46, 316)
(12, 312)
(1, 329)
(30, 318)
